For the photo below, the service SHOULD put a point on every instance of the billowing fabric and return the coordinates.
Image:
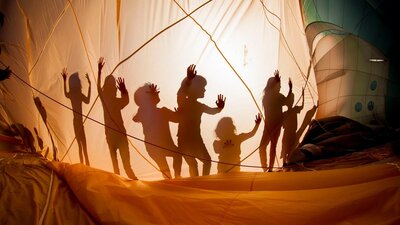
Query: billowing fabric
(362, 195)
(355, 52)
(236, 46)
(50, 101)
(31, 193)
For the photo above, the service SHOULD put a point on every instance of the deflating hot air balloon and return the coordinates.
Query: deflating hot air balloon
(172, 112)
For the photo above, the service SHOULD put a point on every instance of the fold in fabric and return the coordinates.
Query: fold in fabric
(30, 193)
(362, 195)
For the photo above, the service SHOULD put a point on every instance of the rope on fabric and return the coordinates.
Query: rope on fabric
(156, 35)
(46, 206)
(223, 56)
(128, 135)
(187, 15)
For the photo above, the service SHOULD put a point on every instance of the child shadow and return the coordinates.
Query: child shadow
(228, 144)
(156, 130)
(43, 114)
(114, 125)
(190, 110)
(306, 121)
(272, 101)
(77, 98)
(290, 124)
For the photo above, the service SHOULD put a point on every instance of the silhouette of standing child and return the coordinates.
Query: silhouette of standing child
(272, 101)
(190, 111)
(76, 97)
(43, 114)
(228, 143)
(155, 122)
(114, 125)
(290, 124)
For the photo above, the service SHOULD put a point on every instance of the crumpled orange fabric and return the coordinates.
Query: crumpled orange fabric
(362, 195)
(31, 193)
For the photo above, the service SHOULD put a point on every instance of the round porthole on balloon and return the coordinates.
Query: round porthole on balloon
(373, 85)
(358, 107)
(370, 105)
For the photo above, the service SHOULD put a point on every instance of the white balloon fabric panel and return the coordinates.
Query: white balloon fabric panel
(235, 45)
(350, 82)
